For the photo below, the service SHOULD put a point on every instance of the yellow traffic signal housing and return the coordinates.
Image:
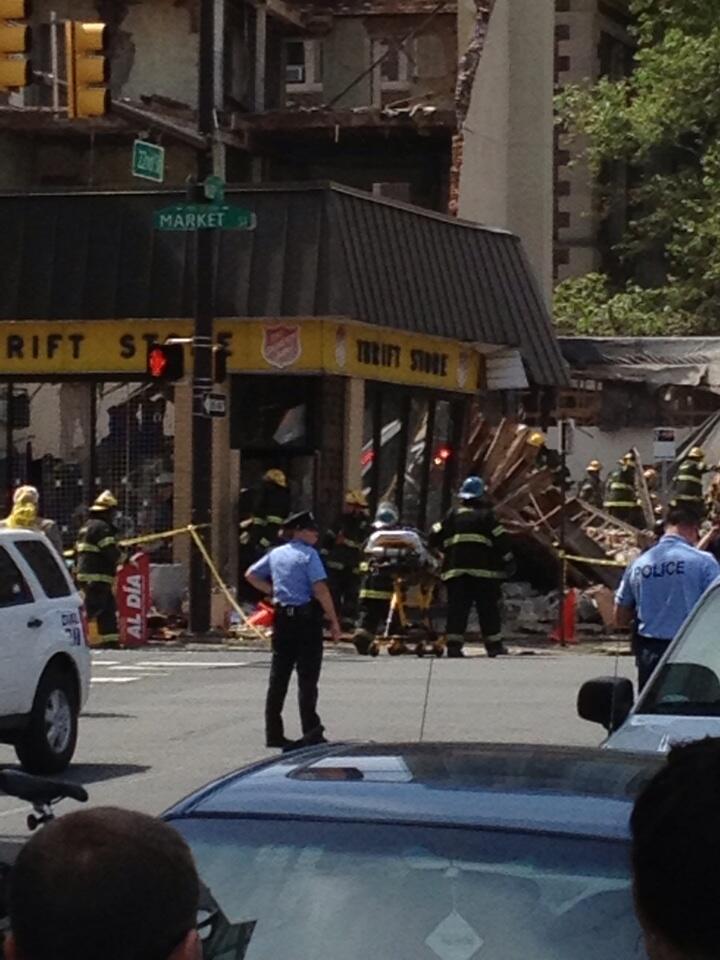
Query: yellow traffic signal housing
(87, 69)
(15, 40)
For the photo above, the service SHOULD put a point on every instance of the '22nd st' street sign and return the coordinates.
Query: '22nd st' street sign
(187, 217)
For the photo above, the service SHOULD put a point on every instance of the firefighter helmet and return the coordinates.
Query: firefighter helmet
(275, 476)
(356, 498)
(536, 439)
(627, 459)
(106, 501)
(473, 488)
(386, 515)
(650, 473)
(594, 466)
(26, 494)
(697, 453)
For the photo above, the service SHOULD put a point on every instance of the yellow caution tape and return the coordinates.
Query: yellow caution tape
(193, 531)
(593, 560)
(150, 537)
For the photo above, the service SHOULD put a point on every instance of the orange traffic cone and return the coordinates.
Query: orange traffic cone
(569, 614)
(264, 615)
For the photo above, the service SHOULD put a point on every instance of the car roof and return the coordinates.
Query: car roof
(585, 791)
(22, 533)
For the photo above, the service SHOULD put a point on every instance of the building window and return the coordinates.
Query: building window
(303, 65)
(392, 73)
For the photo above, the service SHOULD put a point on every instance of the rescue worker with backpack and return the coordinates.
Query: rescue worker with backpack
(342, 553)
(477, 558)
(98, 553)
(688, 483)
(621, 499)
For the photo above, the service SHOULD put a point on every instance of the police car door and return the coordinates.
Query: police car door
(19, 625)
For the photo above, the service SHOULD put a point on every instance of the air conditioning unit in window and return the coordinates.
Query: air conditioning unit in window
(295, 73)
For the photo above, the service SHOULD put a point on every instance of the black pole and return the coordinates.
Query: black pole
(203, 337)
(9, 441)
(563, 527)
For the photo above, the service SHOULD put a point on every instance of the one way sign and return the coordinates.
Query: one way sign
(213, 404)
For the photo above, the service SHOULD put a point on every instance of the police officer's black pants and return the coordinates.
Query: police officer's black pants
(100, 606)
(297, 644)
(648, 652)
(462, 594)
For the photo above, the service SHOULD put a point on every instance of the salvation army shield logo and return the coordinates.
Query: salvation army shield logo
(281, 346)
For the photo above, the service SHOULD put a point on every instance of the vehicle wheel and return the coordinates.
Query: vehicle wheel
(48, 742)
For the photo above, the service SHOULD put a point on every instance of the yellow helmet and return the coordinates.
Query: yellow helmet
(275, 476)
(697, 453)
(356, 498)
(106, 501)
(627, 459)
(536, 439)
(594, 466)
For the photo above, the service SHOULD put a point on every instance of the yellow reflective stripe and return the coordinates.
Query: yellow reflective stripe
(95, 578)
(436, 527)
(468, 538)
(617, 485)
(499, 529)
(507, 557)
(376, 595)
(620, 503)
(351, 543)
(107, 542)
(688, 478)
(689, 496)
(485, 574)
(278, 520)
(334, 565)
(87, 548)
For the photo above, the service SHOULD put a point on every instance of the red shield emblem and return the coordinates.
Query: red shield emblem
(281, 345)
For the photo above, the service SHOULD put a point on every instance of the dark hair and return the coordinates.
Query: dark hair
(682, 517)
(104, 883)
(676, 849)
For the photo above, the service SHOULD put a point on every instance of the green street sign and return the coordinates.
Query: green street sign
(148, 161)
(188, 217)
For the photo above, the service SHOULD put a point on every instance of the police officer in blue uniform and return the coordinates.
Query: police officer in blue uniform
(294, 575)
(662, 586)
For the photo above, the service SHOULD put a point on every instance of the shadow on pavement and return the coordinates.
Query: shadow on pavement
(85, 773)
(108, 716)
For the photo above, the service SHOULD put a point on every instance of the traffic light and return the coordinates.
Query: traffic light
(166, 361)
(87, 69)
(15, 41)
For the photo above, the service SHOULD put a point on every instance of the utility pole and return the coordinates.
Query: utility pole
(202, 379)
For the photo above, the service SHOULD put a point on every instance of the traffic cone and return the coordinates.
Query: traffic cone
(264, 615)
(569, 615)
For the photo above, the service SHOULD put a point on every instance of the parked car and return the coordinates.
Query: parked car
(44, 657)
(401, 851)
(680, 702)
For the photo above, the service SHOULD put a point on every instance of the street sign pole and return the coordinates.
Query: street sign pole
(202, 379)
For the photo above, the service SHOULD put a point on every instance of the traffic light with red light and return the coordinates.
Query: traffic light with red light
(88, 69)
(166, 361)
(15, 43)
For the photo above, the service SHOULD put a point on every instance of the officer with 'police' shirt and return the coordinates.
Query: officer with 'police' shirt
(662, 586)
(295, 577)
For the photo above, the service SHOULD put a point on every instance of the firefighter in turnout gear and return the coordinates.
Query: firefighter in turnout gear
(591, 488)
(477, 558)
(261, 531)
(621, 499)
(342, 553)
(98, 553)
(688, 483)
(377, 588)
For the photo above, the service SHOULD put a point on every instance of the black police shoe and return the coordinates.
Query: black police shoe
(496, 649)
(455, 652)
(280, 743)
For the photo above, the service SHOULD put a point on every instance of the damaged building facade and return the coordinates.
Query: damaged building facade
(361, 93)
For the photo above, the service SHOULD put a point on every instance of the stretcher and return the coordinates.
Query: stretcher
(402, 556)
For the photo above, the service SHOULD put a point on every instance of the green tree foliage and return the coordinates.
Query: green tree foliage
(663, 124)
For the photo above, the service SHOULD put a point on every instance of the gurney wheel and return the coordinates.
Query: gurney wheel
(373, 649)
(396, 648)
(438, 649)
(420, 650)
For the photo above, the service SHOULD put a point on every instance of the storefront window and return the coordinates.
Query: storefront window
(441, 460)
(415, 460)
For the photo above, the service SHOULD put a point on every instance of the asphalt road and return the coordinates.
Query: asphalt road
(160, 723)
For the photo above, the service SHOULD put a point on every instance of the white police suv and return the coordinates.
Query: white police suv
(44, 657)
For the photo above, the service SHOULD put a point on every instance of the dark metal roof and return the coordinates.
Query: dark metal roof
(659, 361)
(318, 250)
(537, 788)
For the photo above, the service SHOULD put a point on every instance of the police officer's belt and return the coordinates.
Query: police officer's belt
(303, 610)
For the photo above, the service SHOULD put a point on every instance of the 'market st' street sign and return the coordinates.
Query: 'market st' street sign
(187, 217)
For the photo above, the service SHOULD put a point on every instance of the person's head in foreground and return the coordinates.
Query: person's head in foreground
(676, 855)
(104, 883)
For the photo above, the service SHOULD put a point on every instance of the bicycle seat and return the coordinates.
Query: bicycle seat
(25, 786)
